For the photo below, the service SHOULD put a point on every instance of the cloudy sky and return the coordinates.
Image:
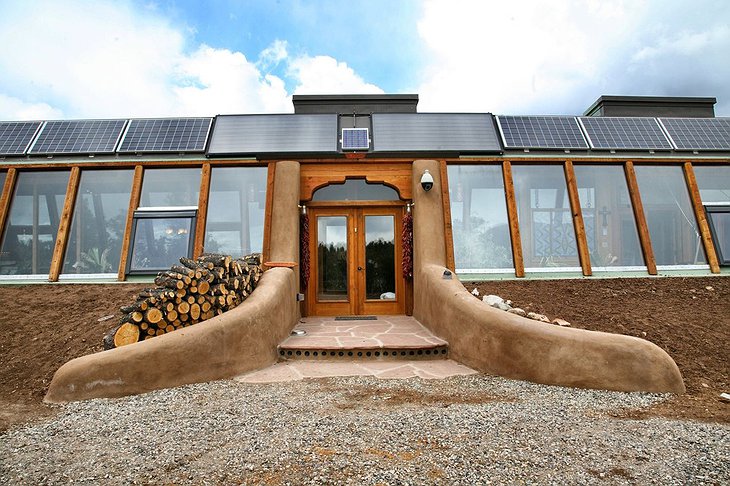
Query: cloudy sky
(129, 58)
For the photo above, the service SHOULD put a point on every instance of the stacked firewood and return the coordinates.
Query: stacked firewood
(187, 294)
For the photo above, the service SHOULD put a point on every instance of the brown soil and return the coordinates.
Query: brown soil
(687, 317)
(47, 325)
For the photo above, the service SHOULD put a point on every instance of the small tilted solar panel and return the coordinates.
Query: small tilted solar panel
(166, 135)
(78, 137)
(355, 139)
(547, 132)
(15, 137)
(698, 133)
(625, 133)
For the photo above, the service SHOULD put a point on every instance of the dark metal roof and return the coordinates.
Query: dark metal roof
(273, 134)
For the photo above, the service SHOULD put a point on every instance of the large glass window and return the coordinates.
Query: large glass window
(608, 217)
(30, 231)
(479, 219)
(170, 187)
(669, 215)
(714, 183)
(160, 238)
(235, 224)
(97, 228)
(546, 223)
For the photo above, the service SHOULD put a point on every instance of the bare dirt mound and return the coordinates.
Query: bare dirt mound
(687, 317)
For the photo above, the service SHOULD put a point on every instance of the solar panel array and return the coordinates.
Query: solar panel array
(15, 137)
(78, 137)
(166, 135)
(355, 139)
(698, 133)
(625, 133)
(548, 132)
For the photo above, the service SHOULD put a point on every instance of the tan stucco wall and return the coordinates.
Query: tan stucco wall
(494, 341)
(240, 340)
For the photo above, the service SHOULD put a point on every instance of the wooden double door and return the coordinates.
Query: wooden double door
(355, 260)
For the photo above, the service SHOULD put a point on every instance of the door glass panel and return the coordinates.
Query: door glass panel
(380, 257)
(332, 258)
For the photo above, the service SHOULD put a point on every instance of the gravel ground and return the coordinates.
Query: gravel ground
(468, 430)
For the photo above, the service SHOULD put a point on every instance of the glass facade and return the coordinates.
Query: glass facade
(32, 224)
(608, 217)
(714, 183)
(99, 219)
(235, 224)
(479, 218)
(546, 223)
(669, 215)
(170, 187)
(160, 239)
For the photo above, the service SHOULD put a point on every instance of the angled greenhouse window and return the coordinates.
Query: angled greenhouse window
(479, 219)
(32, 224)
(714, 186)
(97, 227)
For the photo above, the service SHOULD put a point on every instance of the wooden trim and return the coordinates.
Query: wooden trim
(584, 252)
(64, 224)
(514, 225)
(268, 210)
(640, 218)
(5, 197)
(699, 209)
(448, 231)
(203, 196)
(134, 197)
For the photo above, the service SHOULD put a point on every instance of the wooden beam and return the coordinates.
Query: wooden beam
(134, 196)
(514, 225)
(64, 225)
(641, 225)
(203, 196)
(699, 209)
(584, 253)
(268, 210)
(5, 198)
(449, 234)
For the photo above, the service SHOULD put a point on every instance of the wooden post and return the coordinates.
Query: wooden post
(202, 210)
(267, 211)
(514, 225)
(448, 233)
(584, 252)
(64, 224)
(134, 196)
(704, 228)
(641, 225)
(5, 196)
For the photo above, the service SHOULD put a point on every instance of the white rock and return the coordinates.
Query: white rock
(502, 306)
(518, 311)
(561, 322)
(538, 317)
(725, 397)
(492, 300)
(475, 292)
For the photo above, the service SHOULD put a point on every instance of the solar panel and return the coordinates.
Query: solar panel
(624, 133)
(355, 139)
(698, 133)
(548, 132)
(78, 137)
(16, 136)
(166, 135)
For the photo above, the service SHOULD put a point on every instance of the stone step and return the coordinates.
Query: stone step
(372, 338)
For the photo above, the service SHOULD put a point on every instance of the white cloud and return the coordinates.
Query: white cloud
(15, 109)
(325, 75)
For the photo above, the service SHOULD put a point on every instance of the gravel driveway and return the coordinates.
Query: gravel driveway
(468, 430)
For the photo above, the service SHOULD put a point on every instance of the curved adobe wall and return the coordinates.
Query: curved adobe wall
(494, 341)
(240, 340)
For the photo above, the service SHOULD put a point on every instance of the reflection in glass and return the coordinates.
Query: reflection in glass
(30, 231)
(170, 187)
(713, 182)
(160, 242)
(479, 218)
(720, 225)
(97, 227)
(235, 224)
(355, 190)
(669, 215)
(543, 209)
(332, 258)
(613, 240)
(380, 257)
(2, 180)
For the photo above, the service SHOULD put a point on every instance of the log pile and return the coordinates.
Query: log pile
(187, 294)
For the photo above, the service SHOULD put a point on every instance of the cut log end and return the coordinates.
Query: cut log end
(127, 333)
